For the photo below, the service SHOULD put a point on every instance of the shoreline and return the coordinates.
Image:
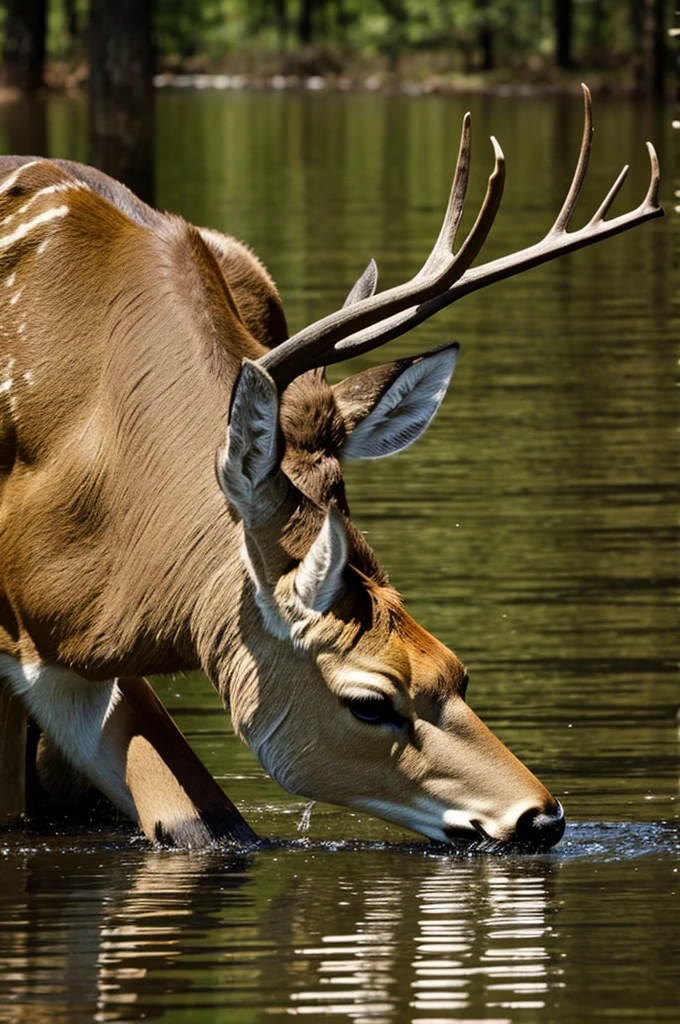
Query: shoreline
(547, 81)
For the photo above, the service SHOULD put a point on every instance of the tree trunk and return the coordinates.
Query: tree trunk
(281, 17)
(23, 53)
(649, 36)
(563, 12)
(121, 92)
(658, 76)
(306, 22)
(72, 26)
(597, 30)
(485, 35)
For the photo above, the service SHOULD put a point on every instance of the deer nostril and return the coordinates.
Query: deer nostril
(539, 829)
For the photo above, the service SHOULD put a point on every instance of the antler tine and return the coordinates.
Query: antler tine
(555, 243)
(651, 200)
(364, 286)
(601, 212)
(377, 319)
(564, 216)
(322, 342)
(443, 247)
(487, 214)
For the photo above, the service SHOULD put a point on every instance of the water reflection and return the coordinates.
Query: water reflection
(122, 932)
(420, 948)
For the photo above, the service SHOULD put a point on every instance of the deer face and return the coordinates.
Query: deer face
(350, 701)
(379, 719)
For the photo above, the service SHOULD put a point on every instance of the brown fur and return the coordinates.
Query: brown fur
(123, 335)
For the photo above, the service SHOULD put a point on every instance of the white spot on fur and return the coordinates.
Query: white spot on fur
(7, 376)
(62, 186)
(9, 182)
(10, 280)
(320, 578)
(456, 819)
(356, 682)
(15, 298)
(23, 229)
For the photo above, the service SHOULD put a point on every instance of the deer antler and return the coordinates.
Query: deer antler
(367, 323)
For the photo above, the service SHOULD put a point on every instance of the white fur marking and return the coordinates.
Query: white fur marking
(73, 713)
(319, 581)
(353, 682)
(10, 280)
(7, 376)
(23, 229)
(62, 186)
(8, 182)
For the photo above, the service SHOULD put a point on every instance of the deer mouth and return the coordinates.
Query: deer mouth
(535, 832)
(475, 837)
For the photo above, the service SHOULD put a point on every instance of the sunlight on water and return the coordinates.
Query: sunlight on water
(450, 954)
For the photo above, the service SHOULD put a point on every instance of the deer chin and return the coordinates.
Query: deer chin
(535, 832)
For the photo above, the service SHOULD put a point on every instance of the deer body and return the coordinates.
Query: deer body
(120, 556)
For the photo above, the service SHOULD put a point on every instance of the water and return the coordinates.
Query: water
(534, 529)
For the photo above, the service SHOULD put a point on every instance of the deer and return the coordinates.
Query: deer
(172, 498)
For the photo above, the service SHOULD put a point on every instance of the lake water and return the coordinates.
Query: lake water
(534, 529)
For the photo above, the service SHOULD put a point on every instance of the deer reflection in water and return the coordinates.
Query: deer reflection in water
(128, 938)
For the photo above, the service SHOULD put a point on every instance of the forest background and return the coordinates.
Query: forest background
(622, 45)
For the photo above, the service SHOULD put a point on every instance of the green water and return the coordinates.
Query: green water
(534, 529)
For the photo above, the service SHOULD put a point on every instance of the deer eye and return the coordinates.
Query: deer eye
(376, 711)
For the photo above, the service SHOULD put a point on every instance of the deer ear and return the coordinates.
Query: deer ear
(388, 407)
(248, 469)
(364, 286)
(319, 581)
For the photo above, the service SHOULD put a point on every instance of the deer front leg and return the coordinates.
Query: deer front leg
(121, 738)
(158, 760)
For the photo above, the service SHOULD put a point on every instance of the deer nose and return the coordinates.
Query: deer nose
(540, 829)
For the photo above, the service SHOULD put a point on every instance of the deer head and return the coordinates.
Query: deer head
(344, 697)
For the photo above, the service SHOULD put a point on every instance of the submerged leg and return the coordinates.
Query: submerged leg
(13, 731)
(119, 735)
(160, 761)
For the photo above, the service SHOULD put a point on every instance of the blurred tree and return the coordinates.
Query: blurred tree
(624, 37)
(485, 36)
(281, 19)
(122, 140)
(72, 22)
(648, 26)
(564, 20)
(23, 52)
(396, 37)
(305, 22)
